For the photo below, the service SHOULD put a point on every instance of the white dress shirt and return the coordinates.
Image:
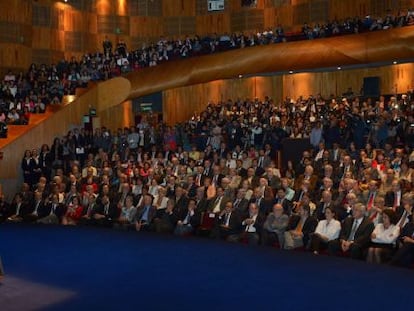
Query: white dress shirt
(329, 229)
(386, 236)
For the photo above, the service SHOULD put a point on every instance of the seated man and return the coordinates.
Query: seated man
(275, 226)
(105, 212)
(299, 229)
(251, 226)
(355, 234)
(405, 255)
(35, 206)
(145, 214)
(52, 212)
(18, 209)
(188, 221)
(166, 222)
(228, 223)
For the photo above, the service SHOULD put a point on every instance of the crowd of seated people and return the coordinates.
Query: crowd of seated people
(25, 93)
(119, 60)
(351, 194)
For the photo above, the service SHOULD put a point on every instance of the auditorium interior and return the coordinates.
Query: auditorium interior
(219, 154)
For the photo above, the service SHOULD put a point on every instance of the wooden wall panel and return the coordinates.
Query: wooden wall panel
(178, 8)
(143, 26)
(144, 21)
(179, 104)
(213, 23)
(269, 16)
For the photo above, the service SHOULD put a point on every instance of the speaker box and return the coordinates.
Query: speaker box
(372, 86)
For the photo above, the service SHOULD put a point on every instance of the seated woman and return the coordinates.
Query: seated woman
(73, 212)
(383, 238)
(126, 219)
(327, 230)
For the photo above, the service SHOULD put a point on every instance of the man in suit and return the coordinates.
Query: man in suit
(355, 234)
(300, 228)
(405, 255)
(228, 224)
(327, 201)
(18, 209)
(240, 203)
(282, 200)
(217, 176)
(105, 212)
(273, 180)
(251, 178)
(259, 200)
(201, 200)
(52, 212)
(36, 205)
(188, 222)
(181, 200)
(306, 176)
(393, 198)
(219, 202)
(145, 214)
(346, 166)
(252, 225)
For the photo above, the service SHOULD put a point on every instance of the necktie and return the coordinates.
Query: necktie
(106, 209)
(370, 201)
(395, 205)
(236, 204)
(227, 219)
(353, 231)
(403, 219)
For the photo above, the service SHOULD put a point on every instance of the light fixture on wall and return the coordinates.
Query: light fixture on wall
(290, 71)
(395, 62)
(339, 68)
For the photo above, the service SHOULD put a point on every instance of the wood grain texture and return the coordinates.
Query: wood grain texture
(347, 50)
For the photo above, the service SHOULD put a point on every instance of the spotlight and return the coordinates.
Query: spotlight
(290, 71)
(395, 62)
(240, 76)
(339, 68)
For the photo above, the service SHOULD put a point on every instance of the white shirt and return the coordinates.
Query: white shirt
(386, 236)
(329, 230)
(251, 227)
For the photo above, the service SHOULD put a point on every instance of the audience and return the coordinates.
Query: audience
(216, 174)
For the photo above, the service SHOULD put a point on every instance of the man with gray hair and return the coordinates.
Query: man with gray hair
(355, 234)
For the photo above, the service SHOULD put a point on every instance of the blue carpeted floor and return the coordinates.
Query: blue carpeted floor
(56, 268)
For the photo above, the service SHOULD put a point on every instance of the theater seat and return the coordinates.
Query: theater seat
(207, 223)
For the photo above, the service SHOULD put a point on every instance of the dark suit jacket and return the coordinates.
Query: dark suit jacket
(151, 213)
(363, 233)
(113, 211)
(47, 208)
(242, 207)
(307, 229)
(202, 205)
(258, 224)
(234, 223)
(390, 197)
(195, 220)
(319, 213)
